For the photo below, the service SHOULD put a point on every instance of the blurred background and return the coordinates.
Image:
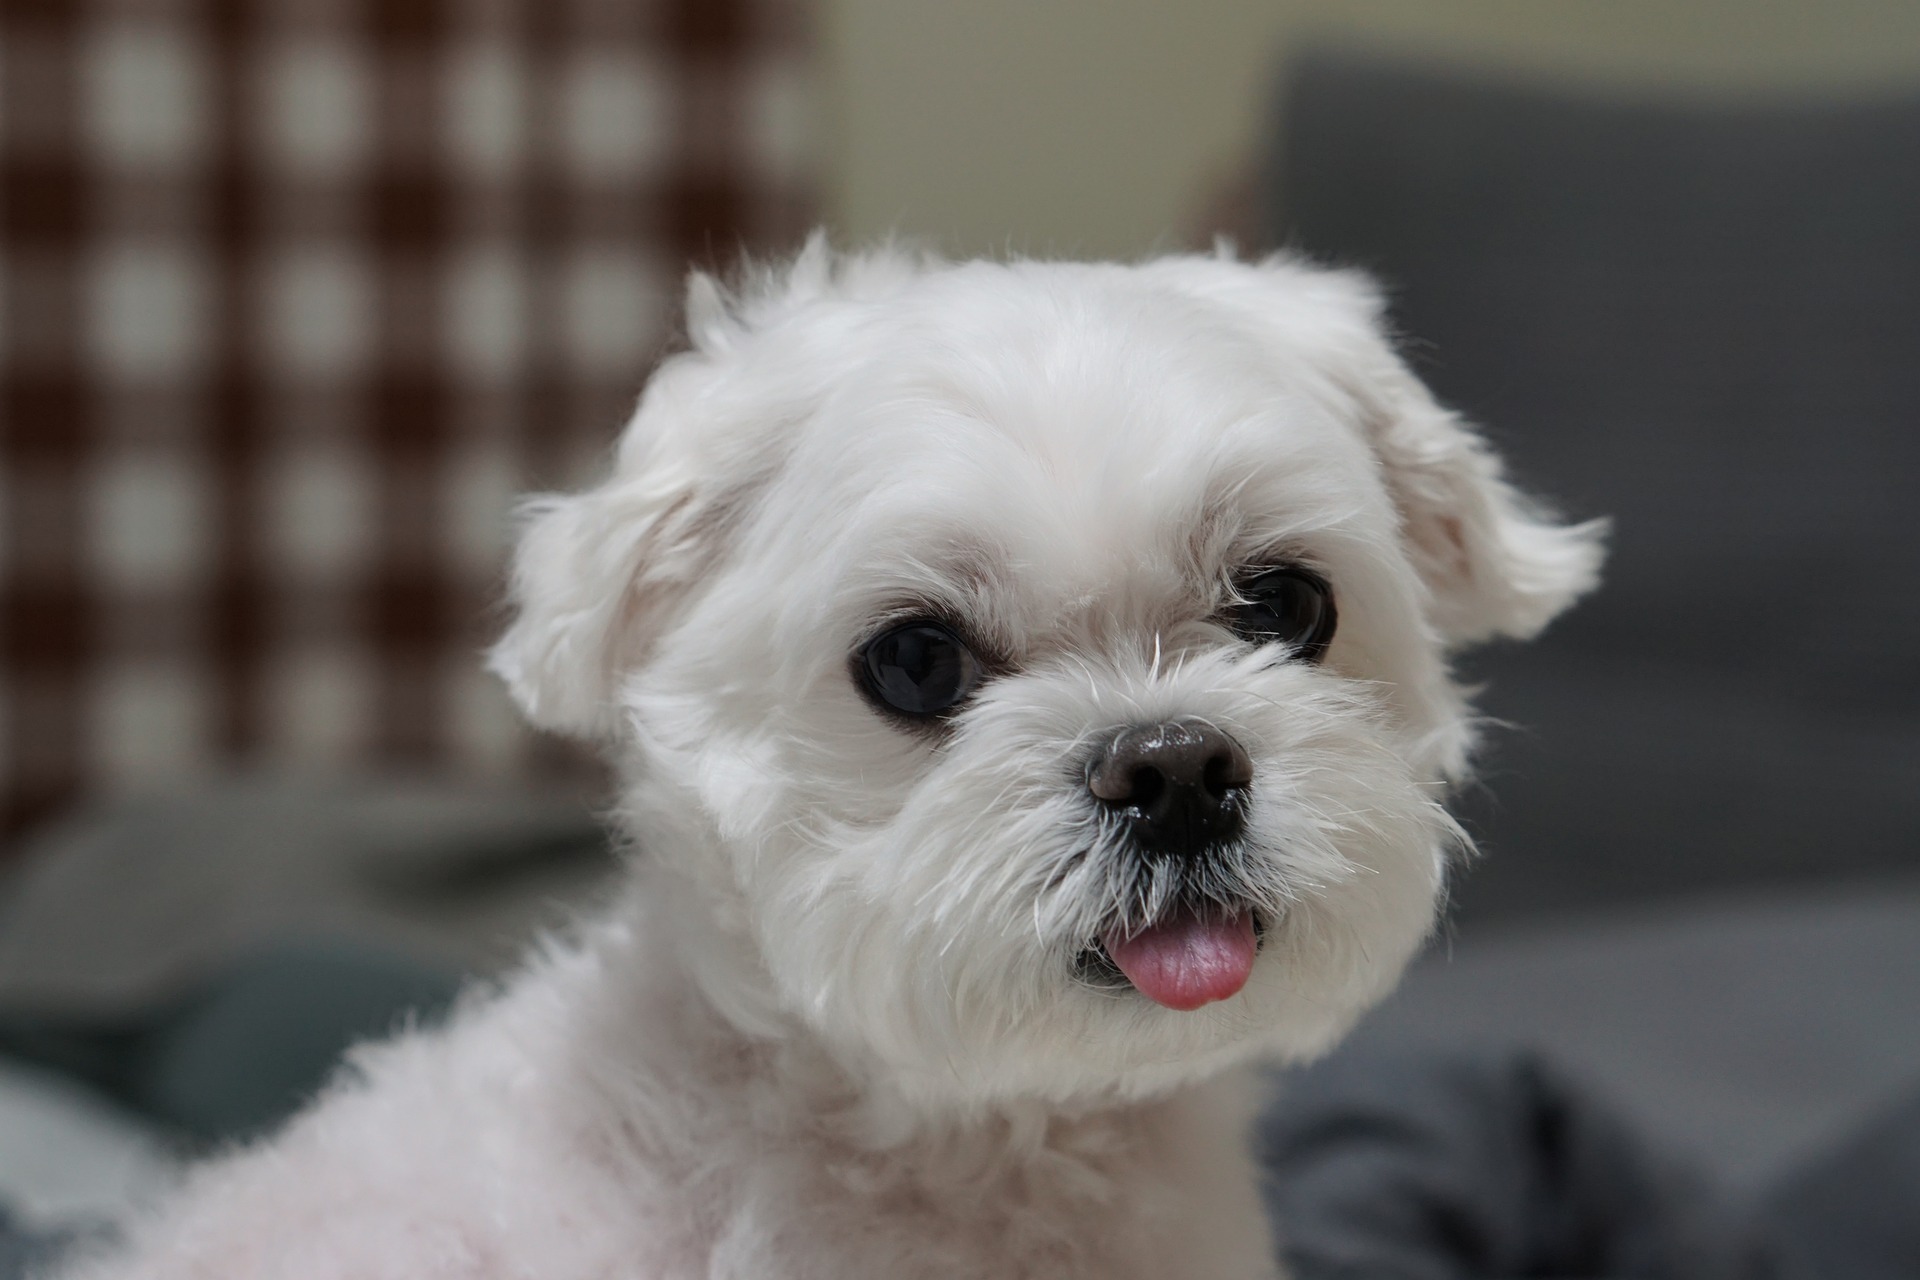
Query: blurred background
(296, 295)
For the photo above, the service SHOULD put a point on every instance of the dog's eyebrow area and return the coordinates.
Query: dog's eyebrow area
(1014, 608)
(963, 578)
(1044, 532)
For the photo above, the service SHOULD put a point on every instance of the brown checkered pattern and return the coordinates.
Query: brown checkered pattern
(294, 296)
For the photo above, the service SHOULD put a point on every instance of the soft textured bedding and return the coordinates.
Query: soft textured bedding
(69, 1156)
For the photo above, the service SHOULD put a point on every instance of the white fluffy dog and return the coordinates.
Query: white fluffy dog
(1030, 683)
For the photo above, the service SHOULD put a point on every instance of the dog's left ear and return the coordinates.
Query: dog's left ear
(1494, 562)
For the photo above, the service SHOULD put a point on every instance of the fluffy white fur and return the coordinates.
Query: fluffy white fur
(834, 1027)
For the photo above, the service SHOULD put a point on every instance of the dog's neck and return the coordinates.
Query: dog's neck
(742, 1128)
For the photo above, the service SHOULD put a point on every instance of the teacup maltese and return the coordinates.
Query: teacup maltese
(1030, 688)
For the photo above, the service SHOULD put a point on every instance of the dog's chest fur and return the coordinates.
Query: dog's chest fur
(1155, 1192)
(540, 1145)
(813, 1183)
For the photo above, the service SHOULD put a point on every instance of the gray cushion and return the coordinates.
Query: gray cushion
(1742, 1037)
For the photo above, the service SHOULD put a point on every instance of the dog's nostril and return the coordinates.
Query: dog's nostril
(1217, 777)
(1146, 785)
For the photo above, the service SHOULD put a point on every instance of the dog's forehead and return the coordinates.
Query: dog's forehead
(1083, 431)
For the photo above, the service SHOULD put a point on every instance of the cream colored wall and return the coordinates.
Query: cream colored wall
(1094, 127)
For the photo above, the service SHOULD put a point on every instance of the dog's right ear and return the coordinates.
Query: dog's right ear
(589, 571)
(597, 575)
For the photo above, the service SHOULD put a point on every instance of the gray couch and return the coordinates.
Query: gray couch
(1704, 321)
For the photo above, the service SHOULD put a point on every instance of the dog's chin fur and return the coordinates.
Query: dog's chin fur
(852, 931)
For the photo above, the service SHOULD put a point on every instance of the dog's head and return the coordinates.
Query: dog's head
(1038, 672)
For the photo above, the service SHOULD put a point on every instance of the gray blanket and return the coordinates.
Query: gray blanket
(1429, 1166)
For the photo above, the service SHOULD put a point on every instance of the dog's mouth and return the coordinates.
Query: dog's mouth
(1189, 958)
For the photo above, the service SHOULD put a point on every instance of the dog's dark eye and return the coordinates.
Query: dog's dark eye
(919, 669)
(1293, 606)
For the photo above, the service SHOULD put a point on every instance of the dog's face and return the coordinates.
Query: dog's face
(1037, 672)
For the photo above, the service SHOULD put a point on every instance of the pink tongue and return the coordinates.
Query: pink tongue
(1187, 961)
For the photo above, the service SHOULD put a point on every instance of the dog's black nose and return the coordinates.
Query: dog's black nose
(1181, 787)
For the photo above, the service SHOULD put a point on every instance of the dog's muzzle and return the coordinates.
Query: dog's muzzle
(1175, 788)
(1177, 792)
